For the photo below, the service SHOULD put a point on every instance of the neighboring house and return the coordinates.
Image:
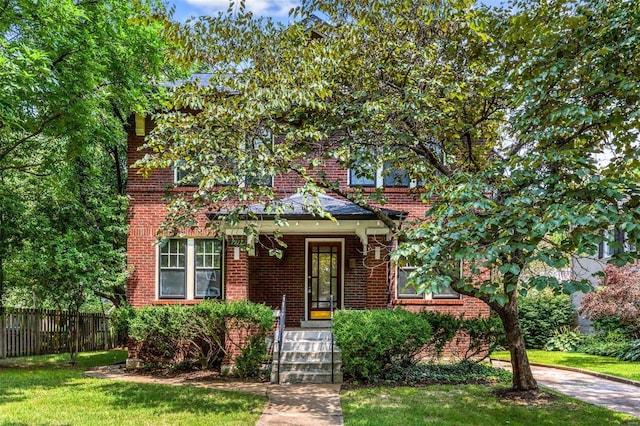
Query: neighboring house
(590, 268)
(347, 258)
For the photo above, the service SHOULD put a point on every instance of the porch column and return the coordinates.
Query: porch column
(377, 263)
(236, 272)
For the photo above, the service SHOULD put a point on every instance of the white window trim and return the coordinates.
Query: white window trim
(190, 262)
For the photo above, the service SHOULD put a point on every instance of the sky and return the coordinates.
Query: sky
(277, 9)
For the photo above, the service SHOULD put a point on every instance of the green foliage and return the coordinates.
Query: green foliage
(564, 339)
(202, 334)
(444, 328)
(458, 373)
(605, 341)
(542, 313)
(72, 73)
(250, 363)
(163, 333)
(374, 341)
(631, 352)
(121, 318)
(485, 335)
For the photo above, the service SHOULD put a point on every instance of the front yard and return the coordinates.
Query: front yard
(44, 390)
(600, 364)
(455, 405)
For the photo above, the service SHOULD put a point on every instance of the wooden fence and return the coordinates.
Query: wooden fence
(25, 332)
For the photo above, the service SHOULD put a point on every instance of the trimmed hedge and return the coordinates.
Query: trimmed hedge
(374, 341)
(202, 334)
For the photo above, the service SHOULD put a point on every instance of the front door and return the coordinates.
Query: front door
(324, 278)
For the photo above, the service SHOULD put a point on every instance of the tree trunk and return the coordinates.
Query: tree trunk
(523, 379)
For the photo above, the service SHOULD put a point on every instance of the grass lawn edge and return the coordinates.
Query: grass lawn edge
(578, 370)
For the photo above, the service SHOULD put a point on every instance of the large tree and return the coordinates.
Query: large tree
(71, 73)
(500, 116)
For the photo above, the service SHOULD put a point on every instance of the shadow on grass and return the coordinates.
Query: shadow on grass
(177, 399)
(467, 405)
(61, 361)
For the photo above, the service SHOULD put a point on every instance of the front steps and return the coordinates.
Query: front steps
(306, 358)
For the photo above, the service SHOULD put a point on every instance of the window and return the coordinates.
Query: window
(190, 269)
(356, 179)
(406, 289)
(605, 249)
(208, 267)
(394, 178)
(183, 175)
(384, 176)
(258, 144)
(173, 269)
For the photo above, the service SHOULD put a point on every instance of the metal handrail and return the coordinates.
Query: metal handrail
(331, 332)
(280, 335)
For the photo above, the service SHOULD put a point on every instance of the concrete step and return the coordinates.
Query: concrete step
(320, 368)
(304, 346)
(309, 357)
(309, 377)
(316, 324)
(307, 335)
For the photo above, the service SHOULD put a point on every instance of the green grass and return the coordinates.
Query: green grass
(466, 405)
(44, 390)
(600, 364)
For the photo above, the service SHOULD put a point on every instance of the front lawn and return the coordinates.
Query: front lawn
(44, 390)
(600, 364)
(466, 405)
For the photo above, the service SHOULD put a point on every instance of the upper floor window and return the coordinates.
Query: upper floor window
(606, 249)
(367, 181)
(261, 146)
(394, 177)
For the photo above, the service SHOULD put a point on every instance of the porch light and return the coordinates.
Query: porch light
(377, 253)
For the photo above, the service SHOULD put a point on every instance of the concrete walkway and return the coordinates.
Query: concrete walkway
(302, 405)
(287, 404)
(622, 397)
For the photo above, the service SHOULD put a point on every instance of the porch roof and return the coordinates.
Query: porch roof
(302, 207)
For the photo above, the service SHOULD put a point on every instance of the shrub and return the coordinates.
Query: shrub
(444, 328)
(565, 340)
(203, 333)
(541, 313)
(374, 341)
(485, 334)
(617, 298)
(120, 319)
(604, 344)
(631, 352)
(163, 333)
(253, 357)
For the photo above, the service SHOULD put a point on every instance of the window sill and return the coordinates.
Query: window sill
(423, 302)
(177, 302)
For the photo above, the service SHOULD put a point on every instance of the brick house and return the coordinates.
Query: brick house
(347, 258)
